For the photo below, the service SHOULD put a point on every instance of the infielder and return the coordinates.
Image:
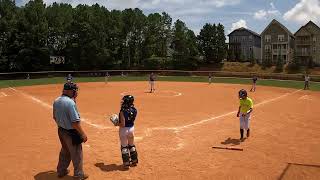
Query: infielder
(254, 82)
(127, 118)
(244, 112)
(69, 78)
(306, 82)
(152, 79)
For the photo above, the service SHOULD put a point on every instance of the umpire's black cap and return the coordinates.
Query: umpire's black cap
(70, 86)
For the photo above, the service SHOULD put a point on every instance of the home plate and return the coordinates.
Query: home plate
(139, 138)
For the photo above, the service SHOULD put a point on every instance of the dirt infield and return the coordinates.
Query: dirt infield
(175, 130)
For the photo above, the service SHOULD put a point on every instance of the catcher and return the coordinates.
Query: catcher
(244, 112)
(127, 118)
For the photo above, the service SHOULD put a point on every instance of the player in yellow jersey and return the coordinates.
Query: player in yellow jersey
(244, 112)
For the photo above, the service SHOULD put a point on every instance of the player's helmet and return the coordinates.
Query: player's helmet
(70, 86)
(243, 94)
(127, 101)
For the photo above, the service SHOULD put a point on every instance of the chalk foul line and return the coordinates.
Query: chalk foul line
(48, 106)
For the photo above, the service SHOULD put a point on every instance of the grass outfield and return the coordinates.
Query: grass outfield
(276, 83)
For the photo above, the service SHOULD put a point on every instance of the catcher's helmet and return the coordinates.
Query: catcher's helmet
(127, 101)
(70, 86)
(243, 93)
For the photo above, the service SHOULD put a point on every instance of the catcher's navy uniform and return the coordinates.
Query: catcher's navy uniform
(126, 133)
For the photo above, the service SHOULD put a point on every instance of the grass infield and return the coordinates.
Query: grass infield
(314, 86)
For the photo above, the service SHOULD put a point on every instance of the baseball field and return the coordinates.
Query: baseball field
(175, 130)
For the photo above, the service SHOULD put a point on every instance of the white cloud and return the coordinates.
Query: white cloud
(261, 14)
(265, 14)
(304, 11)
(239, 24)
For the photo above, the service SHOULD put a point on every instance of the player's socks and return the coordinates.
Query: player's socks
(241, 134)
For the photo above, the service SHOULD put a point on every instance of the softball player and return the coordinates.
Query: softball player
(210, 78)
(106, 78)
(152, 79)
(69, 78)
(306, 82)
(244, 112)
(127, 118)
(254, 82)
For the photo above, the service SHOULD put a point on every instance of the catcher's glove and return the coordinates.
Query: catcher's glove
(115, 119)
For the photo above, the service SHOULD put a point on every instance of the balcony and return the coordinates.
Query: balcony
(281, 52)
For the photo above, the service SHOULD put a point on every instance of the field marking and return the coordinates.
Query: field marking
(305, 97)
(177, 129)
(46, 105)
(4, 94)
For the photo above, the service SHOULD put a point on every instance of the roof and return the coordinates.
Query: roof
(310, 22)
(281, 25)
(245, 29)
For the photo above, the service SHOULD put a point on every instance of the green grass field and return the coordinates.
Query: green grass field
(314, 86)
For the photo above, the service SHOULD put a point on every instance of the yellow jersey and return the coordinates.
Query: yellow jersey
(245, 105)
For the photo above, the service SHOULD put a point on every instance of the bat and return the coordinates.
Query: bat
(228, 148)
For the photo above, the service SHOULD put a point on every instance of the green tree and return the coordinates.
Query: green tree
(185, 46)
(221, 43)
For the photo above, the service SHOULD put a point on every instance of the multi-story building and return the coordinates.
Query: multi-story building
(307, 43)
(277, 42)
(244, 45)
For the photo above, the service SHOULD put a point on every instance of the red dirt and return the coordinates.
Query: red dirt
(174, 133)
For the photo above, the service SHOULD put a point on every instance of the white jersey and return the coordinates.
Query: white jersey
(306, 78)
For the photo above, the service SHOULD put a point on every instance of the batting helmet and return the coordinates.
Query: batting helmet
(243, 94)
(127, 101)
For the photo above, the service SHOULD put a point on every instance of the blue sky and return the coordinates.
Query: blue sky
(252, 14)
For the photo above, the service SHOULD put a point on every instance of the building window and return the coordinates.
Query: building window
(314, 39)
(267, 47)
(280, 38)
(268, 38)
(314, 49)
(250, 48)
(267, 56)
(250, 37)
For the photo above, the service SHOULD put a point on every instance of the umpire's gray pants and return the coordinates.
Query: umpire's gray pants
(69, 152)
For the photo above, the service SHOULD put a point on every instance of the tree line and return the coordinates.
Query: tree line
(94, 37)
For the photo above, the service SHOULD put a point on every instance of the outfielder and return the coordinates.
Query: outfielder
(127, 118)
(210, 78)
(244, 112)
(106, 78)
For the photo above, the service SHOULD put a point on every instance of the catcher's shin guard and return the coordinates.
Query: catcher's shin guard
(125, 156)
(133, 154)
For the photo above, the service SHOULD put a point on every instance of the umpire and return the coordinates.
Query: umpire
(70, 132)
